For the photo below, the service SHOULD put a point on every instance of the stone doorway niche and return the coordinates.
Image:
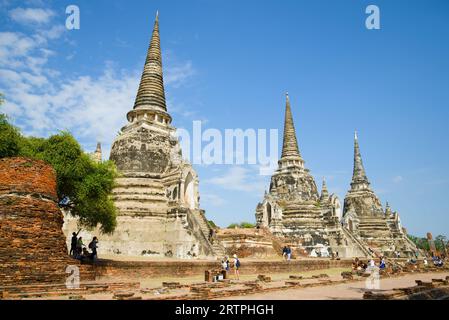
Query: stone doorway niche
(269, 212)
(351, 228)
(189, 194)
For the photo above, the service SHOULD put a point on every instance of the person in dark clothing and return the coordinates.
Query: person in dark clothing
(73, 243)
(79, 247)
(284, 252)
(289, 253)
(93, 247)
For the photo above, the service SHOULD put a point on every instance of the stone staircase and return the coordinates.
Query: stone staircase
(357, 242)
(370, 227)
(217, 248)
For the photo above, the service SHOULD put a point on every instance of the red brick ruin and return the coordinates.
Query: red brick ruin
(32, 244)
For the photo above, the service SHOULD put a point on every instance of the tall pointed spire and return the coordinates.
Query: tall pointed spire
(324, 192)
(151, 94)
(359, 179)
(290, 143)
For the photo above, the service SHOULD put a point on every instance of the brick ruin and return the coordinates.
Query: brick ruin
(32, 244)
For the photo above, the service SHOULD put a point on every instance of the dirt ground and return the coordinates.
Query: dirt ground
(345, 291)
(334, 274)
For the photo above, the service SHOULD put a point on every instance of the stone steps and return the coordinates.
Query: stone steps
(205, 228)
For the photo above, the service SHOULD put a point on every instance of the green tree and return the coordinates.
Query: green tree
(243, 225)
(212, 224)
(440, 242)
(83, 185)
(9, 136)
(247, 225)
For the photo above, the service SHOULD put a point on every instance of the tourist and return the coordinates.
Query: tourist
(224, 265)
(211, 235)
(425, 262)
(73, 243)
(284, 253)
(382, 264)
(362, 266)
(438, 262)
(79, 246)
(93, 246)
(86, 255)
(236, 267)
(289, 253)
(355, 263)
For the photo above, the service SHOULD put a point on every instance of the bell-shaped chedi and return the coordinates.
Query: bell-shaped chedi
(364, 218)
(32, 244)
(144, 144)
(360, 198)
(156, 193)
(291, 207)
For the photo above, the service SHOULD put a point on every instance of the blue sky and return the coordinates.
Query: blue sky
(228, 63)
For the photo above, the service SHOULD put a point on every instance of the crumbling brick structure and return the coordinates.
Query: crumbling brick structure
(32, 244)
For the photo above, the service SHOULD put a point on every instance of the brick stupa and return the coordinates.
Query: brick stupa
(32, 244)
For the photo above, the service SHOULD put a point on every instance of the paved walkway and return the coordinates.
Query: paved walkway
(347, 291)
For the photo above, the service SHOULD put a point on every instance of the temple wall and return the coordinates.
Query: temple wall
(146, 236)
(111, 268)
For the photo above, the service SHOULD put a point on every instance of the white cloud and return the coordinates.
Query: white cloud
(178, 74)
(31, 15)
(212, 199)
(238, 178)
(398, 179)
(42, 102)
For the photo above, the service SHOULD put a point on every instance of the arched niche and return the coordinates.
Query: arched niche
(350, 226)
(175, 193)
(269, 212)
(189, 191)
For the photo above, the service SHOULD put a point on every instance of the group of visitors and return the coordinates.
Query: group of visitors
(226, 265)
(79, 251)
(438, 261)
(287, 253)
(360, 265)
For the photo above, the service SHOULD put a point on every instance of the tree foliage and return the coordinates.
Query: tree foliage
(440, 241)
(9, 138)
(243, 225)
(82, 184)
(212, 224)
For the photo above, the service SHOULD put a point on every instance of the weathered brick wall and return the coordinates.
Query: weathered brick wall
(140, 269)
(32, 244)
